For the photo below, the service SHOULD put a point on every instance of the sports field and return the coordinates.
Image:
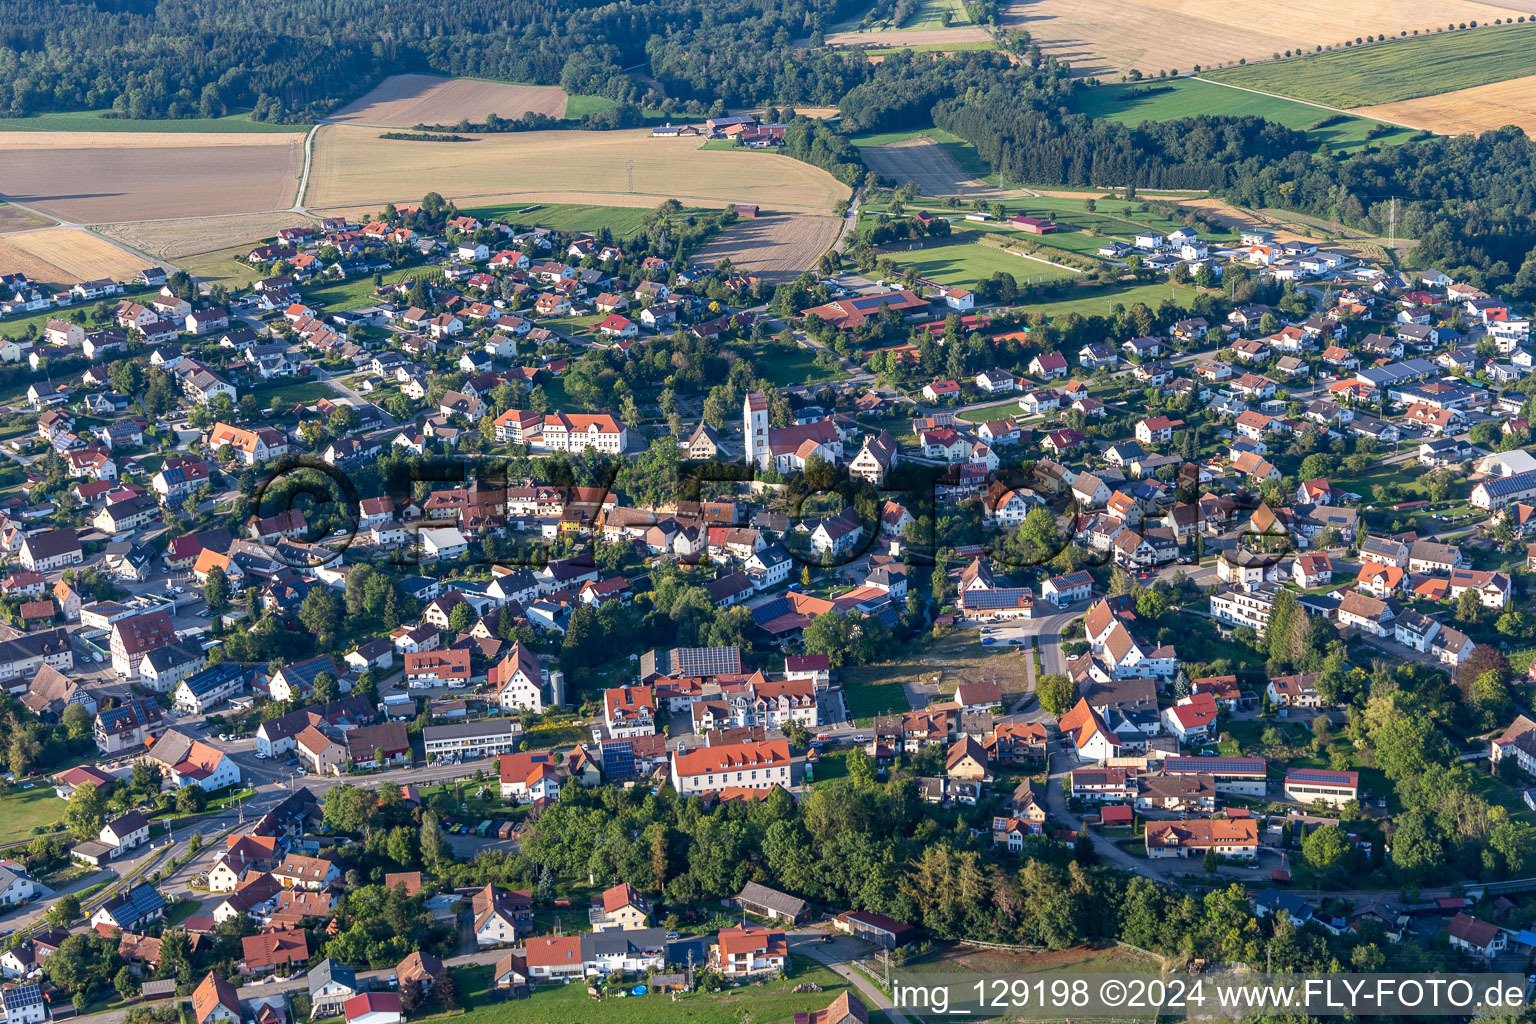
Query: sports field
(1102, 37)
(352, 166)
(66, 256)
(962, 261)
(1401, 69)
(1477, 109)
(1192, 97)
(405, 100)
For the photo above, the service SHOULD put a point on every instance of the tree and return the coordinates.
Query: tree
(216, 590)
(64, 910)
(462, 618)
(861, 767)
(190, 799)
(1057, 693)
(1325, 848)
(83, 965)
(319, 613)
(326, 689)
(126, 982)
(77, 722)
(1468, 606)
(86, 812)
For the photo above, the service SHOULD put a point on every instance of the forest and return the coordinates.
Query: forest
(292, 61)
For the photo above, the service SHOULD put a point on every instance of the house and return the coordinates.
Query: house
(499, 915)
(271, 950)
(620, 908)
(330, 986)
(24, 1004)
(1235, 838)
(215, 1001)
(749, 951)
(1480, 938)
(48, 550)
(373, 1008)
(131, 910)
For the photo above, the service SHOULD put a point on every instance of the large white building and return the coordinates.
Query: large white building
(731, 766)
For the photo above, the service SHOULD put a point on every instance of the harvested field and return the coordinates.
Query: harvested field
(909, 37)
(73, 254)
(353, 166)
(1467, 110)
(401, 101)
(1099, 37)
(15, 219)
(170, 239)
(776, 248)
(114, 176)
(924, 161)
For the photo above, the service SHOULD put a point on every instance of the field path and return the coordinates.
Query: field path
(1309, 103)
(309, 159)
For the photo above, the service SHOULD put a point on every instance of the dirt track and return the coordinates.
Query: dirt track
(774, 247)
(407, 100)
(924, 161)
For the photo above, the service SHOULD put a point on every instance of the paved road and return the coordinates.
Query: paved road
(837, 955)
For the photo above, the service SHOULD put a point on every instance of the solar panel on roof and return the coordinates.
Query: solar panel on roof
(706, 661)
(1321, 775)
(1214, 765)
(1006, 597)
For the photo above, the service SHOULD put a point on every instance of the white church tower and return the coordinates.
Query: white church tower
(754, 423)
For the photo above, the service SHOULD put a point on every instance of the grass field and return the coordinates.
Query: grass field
(1397, 70)
(1097, 301)
(352, 167)
(99, 121)
(1191, 97)
(878, 689)
(959, 47)
(222, 266)
(577, 107)
(353, 293)
(930, 14)
(793, 365)
(965, 262)
(14, 218)
(769, 1003)
(23, 809)
(621, 220)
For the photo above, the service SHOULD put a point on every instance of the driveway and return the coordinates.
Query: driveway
(837, 955)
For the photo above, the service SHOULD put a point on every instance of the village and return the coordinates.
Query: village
(1204, 596)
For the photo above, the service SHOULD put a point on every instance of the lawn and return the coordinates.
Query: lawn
(301, 391)
(1380, 475)
(871, 690)
(1398, 70)
(100, 121)
(784, 366)
(352, 293)
(961, 261)
(577, 107)
(223, 266)
(1190, 97)
(621, 220)
(1097, 301)
(964, 152)
(930, 14)
(16, 327)
(770, 1003)
(991, 412)
(21, 810)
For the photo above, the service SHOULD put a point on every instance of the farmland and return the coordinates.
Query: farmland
(401, 101)
(353, 166)
(1478, 109)
(113, 176)
(14, 218)
(170, 239)
(77, 255)
(1401, 69)
(1191, 97)
(1102, 37)
(776, 248)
